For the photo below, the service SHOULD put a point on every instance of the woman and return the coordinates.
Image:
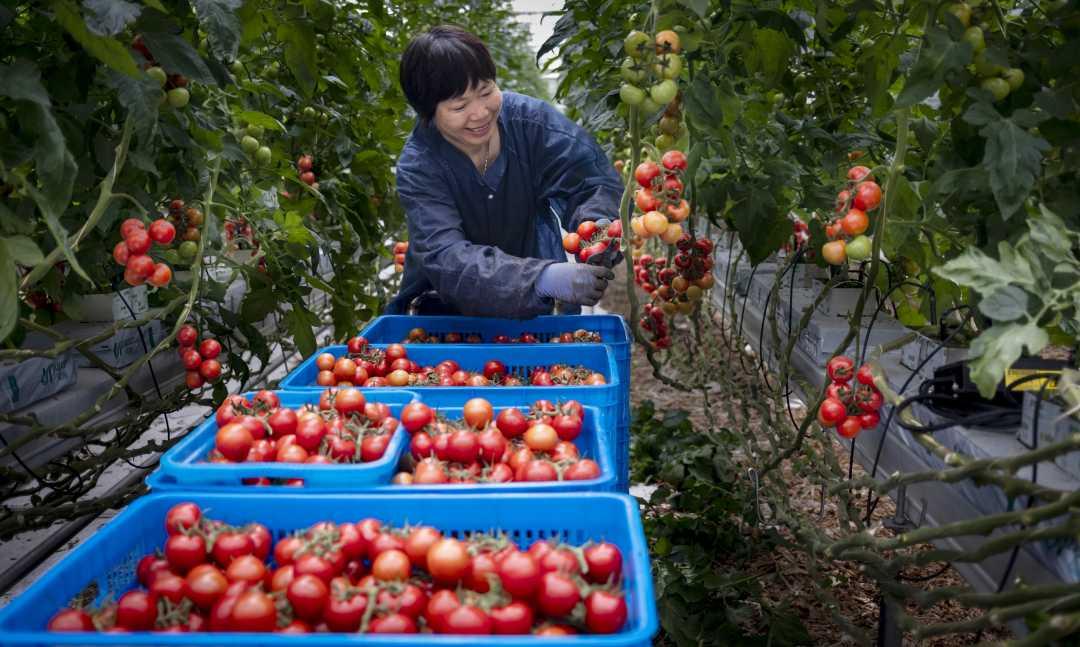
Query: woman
(480, 177)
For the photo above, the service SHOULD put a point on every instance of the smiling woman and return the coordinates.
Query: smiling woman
(480, 177)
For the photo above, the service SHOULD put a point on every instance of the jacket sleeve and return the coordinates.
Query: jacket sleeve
(477, 280)
(573, 169)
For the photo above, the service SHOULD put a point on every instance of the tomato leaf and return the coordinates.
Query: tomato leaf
(769, 54)
(876, 66)
(55, 166)
(256, 118)
(940, 55)
(300, 322)
(110, 17)
(177, 56)
(762, 226)
(700, 7)
(23, 250)
(1007, 303)
(1013, 159)
(703, 105)
(258, 304)
(299, 40)
(218, 18)
(998, 347)
(9, 292)
(142, 98)
(108, 50)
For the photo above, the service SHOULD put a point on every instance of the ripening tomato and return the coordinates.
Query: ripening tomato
(391, 565)
(571, 243)
(855, 222)
(415, 416)
(447, 560)
(478, 413)
(646, 201)
(349, 401)
(419, 542)
(541, 438)
(234, 441)
(858, 173)
(344, 369)
(646, 172)
(867, 196)
(395, 351)
(325, 362)
(162, 231)
(834, 252)
(586, 229)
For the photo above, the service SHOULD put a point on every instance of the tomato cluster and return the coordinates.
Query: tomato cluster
(484, 448)
(304, 166)
(847, 231)
(133, 252)
(659, 198)
(401, 248)
(651, 60)
(175, 85)
(998, 80)
(199, 358)
(852, 400)
(579, 336)
(800, 234)
(370, 367)
(260, 153)
(188, 221)
(654, 322)
(590, 239)
(343, 428)
(362, 577)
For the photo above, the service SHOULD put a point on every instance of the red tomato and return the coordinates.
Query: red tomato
(136, 611)
(148, 567)
(372, 448)
(514, 618)
(210, 370)
(185, 552)
(130, 226)
(865, 375)
(182, 516)
(478, 413)
(230, 545)
(168, 585)
(605, 612)
(831, 412)
(519, 573)
(571, 244)
(441, 604)
(247, 568)
(419, 542)
(462, 446)
(138, 242)
(674, 160)
(567, 427)
(583, 470)
(421, 446)
(840, 369)
(282, 422)
(511, 422)
(429, 471)
(391, 565)
(415, 416)
(869, 419)
(234, 441)
(492, 445)
(603, 562)
(393, 623)
(395, 351)
(494, 369)
(71, 620)
(254, 611)
(161, 276)
(345, 612)
(646, 172)
(356, 345)
(850, 427)
(260, 540)
(162, 231)
(409, 599)
(209, 348)
(447, 560)
(139, 265)
(857, 173)
(481, 566)
(586, 229)
(557, 595)
(646, 201)
(867, 196)
(291, 453)
(205, 584)
(536, 470)
(310, 432)
(349, 401)
(120, 253)
(467, 619)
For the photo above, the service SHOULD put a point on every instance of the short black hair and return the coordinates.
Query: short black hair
(440, 64)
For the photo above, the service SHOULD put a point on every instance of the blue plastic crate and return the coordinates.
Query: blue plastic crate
(595, 442)
(519, 359)
(108, 559)
(613, 331)
(185, 463)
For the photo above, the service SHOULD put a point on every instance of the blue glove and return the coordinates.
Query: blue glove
(574, 283)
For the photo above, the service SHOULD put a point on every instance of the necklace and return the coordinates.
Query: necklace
(487, 154)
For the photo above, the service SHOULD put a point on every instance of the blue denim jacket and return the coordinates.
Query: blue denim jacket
(482, 241)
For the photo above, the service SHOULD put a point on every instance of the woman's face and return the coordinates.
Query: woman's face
(469, 121)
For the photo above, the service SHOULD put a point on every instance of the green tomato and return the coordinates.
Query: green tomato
(263, 155)
(632, 71)
(670, 126)
(985, 68)
(649, 107)
(157, 74)
(974, 37)
(179, 97)
(668, 66)
(237, 68)
(631, 95)
(1014, 76)
(324, 118)
(249, 144)
(962, 12)
(665, 142)
(310, 113)
(997, 87)
(187, 250)
(664, 91)
(636, 44)
(255, 131)
(860, 248)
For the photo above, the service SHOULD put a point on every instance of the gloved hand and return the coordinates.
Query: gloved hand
(611, 256)
(574, 283)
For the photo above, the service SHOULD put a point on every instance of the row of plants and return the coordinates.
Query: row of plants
(919, 151)
(260, 135)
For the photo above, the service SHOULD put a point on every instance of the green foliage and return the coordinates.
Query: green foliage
(700, 528)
